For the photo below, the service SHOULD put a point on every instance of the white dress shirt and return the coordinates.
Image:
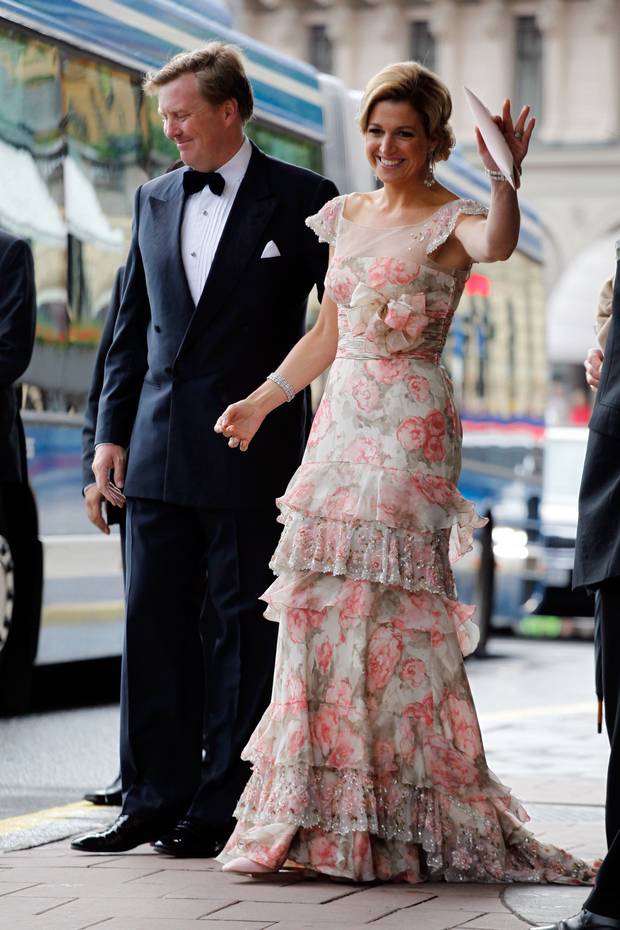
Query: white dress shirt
(204, 219)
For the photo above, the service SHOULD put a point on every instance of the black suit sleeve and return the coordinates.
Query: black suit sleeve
(318, 252)
(126, 362)
(17, 311)
(96, 385)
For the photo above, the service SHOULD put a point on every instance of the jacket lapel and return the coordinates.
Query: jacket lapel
(241, 237)
(167, 214)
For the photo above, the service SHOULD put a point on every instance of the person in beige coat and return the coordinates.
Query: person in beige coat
(594, 358)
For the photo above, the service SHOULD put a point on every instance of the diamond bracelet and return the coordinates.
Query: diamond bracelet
(494, 175)
(281, 381)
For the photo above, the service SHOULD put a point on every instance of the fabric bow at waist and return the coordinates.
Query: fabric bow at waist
(394, 325)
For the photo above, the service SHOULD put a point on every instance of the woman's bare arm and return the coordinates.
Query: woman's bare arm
(306, 361)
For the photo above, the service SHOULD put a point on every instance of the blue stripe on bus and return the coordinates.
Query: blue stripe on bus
(215, 10)
(497, 421)
(66, 12)
(151, 51)
(279, 103)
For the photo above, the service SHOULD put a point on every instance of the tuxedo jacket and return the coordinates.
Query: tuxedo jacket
(597, 549)
(173, 367)
(115, 514)
(17, 326)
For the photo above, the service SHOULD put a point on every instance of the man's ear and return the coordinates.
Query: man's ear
(230, 110)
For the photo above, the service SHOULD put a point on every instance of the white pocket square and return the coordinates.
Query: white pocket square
(271, 250)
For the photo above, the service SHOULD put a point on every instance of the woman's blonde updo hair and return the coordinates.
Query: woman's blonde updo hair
(414, 84)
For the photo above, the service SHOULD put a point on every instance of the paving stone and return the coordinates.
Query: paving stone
(241, 888)
(305, 925)
(480, 898)
(15, 906)
(392, 895)
(173, 880)
(429, 916)
(140, 923)
(54, 875)
(503, 921)
(7, 888)
(155, 860)
(334, 915)
(75, 861)
(99, 909)
(51, 922)
(90, 890)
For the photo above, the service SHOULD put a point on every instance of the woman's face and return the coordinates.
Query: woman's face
(397, 145)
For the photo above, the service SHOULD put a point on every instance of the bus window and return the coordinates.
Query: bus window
(31, 146)
(286, 146)
(103, 166)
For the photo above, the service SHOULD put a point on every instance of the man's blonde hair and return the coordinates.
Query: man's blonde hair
(409, 82)
(220, 73)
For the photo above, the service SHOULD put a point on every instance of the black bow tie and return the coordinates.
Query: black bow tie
(194, 181)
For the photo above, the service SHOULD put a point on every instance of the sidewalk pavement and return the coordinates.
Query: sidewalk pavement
(54, 888)
(538, 718)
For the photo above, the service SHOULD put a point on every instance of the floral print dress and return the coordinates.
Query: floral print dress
(368, 763)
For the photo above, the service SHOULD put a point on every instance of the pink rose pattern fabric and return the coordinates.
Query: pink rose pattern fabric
(368, 763)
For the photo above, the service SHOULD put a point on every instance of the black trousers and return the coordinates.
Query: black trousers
(181, 562)
(605, 899)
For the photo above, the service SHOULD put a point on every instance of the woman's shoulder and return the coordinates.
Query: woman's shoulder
(357, 202)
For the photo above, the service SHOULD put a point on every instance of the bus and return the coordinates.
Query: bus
(77, 136)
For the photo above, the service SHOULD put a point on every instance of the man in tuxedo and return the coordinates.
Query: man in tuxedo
(597, 565)
(214, 296)
(17, 511)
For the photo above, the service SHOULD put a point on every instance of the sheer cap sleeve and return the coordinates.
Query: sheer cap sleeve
(446, 220)
(325, 222)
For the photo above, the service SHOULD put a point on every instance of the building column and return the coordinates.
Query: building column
(550, 18)
(443, 23)
(605, 67)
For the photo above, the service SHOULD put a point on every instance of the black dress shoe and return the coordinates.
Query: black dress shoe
(192, 838)
(127, 832)
(584, 920)
(112, 796)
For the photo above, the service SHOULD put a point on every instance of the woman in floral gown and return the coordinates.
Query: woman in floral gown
(368, 764)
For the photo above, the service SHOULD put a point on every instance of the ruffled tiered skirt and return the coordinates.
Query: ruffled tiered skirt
(368, 763)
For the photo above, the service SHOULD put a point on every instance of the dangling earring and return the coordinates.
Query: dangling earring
(429, 180)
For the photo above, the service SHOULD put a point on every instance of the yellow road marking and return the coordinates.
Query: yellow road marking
(82, 612)
(28, 821)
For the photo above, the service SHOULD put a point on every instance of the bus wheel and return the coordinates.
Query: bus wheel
(21, 584)
(485, 586)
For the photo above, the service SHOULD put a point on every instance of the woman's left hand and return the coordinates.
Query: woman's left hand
(517, 138)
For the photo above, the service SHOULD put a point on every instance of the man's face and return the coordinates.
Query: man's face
(200, 130)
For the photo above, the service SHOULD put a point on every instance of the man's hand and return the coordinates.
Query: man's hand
(93, 501)
(110, 458)
(592, 365)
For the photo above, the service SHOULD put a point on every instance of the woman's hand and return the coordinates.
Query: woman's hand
(240, 423)
(517, 138)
